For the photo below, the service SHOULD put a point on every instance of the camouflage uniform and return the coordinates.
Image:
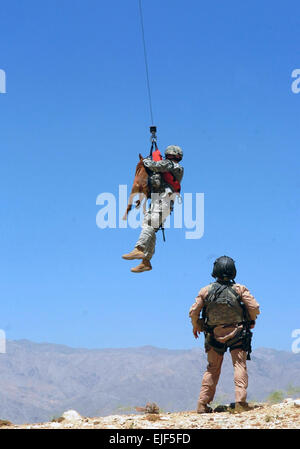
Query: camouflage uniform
(162, 199)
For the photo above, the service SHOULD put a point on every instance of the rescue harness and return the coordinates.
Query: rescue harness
(168, 177)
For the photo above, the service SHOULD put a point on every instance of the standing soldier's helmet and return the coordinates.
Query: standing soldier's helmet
(224, 268)
(175, 151)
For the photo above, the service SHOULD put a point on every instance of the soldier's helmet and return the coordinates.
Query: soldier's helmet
(224, 268)
(174, 150)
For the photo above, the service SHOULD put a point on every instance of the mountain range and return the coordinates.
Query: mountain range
(39, 381)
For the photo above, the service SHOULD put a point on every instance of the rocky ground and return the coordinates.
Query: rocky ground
(285, 415)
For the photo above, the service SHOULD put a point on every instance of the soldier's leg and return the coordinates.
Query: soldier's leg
(162, 207)
(157, 214)
(147, 238)
(210, 377)
(240, 374)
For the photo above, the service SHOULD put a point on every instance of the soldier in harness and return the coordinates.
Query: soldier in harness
(164, 179)
(229, 312)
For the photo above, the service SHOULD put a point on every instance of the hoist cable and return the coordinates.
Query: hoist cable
(146, 61)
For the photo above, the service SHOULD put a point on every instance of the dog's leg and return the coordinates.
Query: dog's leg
(129, 206)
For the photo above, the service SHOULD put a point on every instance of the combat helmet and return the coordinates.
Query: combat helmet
(224, 268)
(174, 150)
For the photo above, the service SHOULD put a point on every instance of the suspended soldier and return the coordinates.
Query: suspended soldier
(164, 179)
(229, 312)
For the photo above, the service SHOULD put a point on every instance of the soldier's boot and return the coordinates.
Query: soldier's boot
(145, 265)
(203, 408)
(242, 407)
(136, 253)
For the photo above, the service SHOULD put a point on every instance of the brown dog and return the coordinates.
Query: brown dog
(140, 186)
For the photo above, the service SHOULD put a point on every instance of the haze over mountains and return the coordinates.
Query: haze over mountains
(40, 381)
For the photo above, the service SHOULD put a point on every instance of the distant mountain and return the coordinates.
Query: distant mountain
(39, 381)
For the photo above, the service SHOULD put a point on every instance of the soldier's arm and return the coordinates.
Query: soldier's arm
(196, 309)
(158, 166)
(165, 166)
(250, 302)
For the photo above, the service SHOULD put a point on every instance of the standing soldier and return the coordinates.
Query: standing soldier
(229, 312)
(164, 179)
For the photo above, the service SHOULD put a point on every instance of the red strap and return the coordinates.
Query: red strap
(156, 155)
(168, 177)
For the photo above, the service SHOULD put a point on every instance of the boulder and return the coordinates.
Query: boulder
(72, 416)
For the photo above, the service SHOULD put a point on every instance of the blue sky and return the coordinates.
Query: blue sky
(75, 117)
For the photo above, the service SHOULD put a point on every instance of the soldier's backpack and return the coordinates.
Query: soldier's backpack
(222, 306)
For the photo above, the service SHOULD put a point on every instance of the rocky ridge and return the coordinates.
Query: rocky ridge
(285, 415)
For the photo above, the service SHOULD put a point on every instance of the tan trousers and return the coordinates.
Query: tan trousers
(213, 371)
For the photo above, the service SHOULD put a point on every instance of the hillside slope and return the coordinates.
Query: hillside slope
(39, 381)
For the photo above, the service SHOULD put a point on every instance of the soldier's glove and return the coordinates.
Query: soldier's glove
(200, 324)
(252, 324)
